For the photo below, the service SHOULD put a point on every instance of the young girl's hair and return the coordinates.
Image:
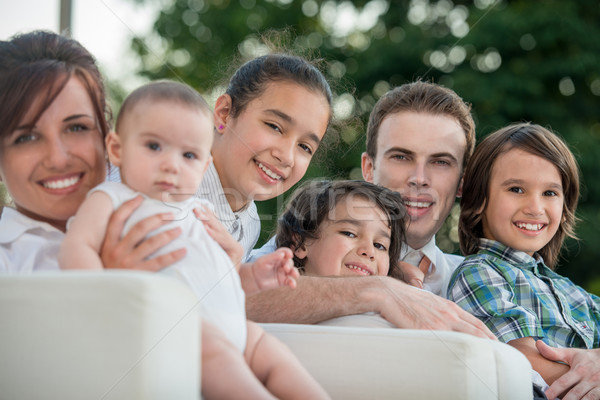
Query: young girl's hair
(532, 139)
(35, 67)
(251, 79)
(313, 203)
(164, 90)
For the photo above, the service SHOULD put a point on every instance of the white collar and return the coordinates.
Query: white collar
(14, 224)
(429, 250)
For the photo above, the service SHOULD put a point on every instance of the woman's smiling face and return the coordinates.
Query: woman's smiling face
(49, 168)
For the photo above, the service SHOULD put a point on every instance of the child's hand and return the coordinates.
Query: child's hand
(410, 274)
(219, 233)
(274, 270)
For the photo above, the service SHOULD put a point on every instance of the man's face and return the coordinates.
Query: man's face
(420, 155)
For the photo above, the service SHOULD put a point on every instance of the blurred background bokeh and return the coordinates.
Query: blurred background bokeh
(512, 60)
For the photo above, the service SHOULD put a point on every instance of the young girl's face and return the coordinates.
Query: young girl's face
(354, 241)
(49, 168)
(525, 204)
(266, 149)
(162, 149)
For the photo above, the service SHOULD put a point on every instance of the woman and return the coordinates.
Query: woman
(52, 127)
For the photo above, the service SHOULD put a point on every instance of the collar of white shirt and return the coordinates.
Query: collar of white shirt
(14, 224)
(413, 256)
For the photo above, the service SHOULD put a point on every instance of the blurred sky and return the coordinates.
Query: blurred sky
(104, 27)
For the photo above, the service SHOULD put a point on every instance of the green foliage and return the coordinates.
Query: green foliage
(514, 61)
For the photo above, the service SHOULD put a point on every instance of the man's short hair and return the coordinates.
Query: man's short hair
(422, 97)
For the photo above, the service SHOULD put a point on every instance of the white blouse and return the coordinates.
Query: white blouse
(27, 245)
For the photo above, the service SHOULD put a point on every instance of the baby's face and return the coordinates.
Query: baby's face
(165, 149)
(354, 241)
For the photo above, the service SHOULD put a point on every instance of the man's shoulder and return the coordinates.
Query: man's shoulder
(453, 260)
(267, 248)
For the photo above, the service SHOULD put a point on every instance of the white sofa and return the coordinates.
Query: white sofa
(135, 335)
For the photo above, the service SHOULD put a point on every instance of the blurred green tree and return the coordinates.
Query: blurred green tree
(514, 61)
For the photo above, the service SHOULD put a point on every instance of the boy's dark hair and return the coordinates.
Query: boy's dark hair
(163, 90)
(312, 203)
(251, 79)
(532, 139)
(421, 97)
(36, 66)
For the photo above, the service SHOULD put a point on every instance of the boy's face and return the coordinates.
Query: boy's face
(525, 205)
(353, 241)
(419, 155)
(162, 149)
(49, 168)
(266, 149)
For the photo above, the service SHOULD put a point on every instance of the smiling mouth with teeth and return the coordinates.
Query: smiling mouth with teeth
(61, 183)
(417, 204)
(359, 269)
(269, 173)
(530, 227)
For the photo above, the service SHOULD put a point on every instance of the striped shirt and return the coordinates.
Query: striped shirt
(517, 296)
(243, 225)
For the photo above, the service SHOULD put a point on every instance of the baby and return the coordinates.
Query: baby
(162, 144)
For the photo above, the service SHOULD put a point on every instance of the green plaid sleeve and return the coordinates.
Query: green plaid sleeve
(482, 290)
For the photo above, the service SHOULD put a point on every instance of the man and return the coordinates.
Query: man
(419, 139)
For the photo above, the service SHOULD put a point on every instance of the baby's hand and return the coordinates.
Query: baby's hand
(219, 233)
(274, 270)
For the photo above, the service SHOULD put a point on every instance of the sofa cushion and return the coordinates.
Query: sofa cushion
(381, 363)
(98, 335)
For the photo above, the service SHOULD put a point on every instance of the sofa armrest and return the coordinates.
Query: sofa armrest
(98, 335)
(361, 363)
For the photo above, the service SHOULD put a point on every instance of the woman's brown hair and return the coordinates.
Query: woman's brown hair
(35, 67)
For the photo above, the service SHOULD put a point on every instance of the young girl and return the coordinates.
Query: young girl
(268, 125)
(337, 228)
(519, 198)
(163, 149)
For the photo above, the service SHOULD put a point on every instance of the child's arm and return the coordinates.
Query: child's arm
(269, 272)
(583, 377)
(219, 233)
(549, 370)
(81, 246)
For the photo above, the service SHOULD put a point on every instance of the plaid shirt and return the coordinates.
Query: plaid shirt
(517, 296)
